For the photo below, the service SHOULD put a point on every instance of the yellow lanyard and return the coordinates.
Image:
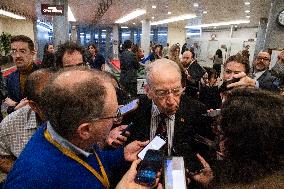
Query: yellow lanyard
(102, 178)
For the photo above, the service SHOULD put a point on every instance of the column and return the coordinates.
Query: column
(145, 38)
(176, 34)
(115, 42)
(108, 52)
(275, 33)
(132, 35)
(155, 36)
(60, 24)
(259, 44)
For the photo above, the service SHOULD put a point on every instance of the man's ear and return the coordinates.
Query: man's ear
(84, 131)
(148, 91)
(33, 105)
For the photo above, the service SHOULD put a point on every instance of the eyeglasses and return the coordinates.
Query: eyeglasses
(163, 93)
(21, 51)
(263, 59)
(75, 65)
(116, 118)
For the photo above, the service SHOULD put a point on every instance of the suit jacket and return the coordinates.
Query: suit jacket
(98, 62)
(129, 67)
(268, 82)
(188, 122)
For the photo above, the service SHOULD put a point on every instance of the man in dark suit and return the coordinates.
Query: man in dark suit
(193, 73)
(129, 67)
(164, 98)
(22, 51)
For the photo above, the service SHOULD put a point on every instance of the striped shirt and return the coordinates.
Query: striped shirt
(170, 122)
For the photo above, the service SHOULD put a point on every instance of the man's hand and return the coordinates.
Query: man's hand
(9, 102)
(245, 81)
(115, 139)
(22, 103)
(127, 181)
(131, 150)
(206, 175)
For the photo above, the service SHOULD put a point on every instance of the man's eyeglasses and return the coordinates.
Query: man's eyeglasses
(263, 59)
(116, 117)
(21, 51)
(163, 93)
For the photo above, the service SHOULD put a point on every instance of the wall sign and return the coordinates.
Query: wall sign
(54, 10)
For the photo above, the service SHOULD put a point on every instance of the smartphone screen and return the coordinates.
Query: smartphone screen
(129, 107)
(155, 144)
(148, 168)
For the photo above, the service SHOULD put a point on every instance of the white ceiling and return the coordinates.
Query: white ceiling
(218, 10)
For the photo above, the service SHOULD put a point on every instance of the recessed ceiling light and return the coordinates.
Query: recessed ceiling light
(154, 6)
(169, 12)
(215, 27)
(174, 19)
(236, 26)
(220, 24)
(247, 3)
(204, 12)
(153, 17)
(104, 30)
(247, 11)
(12, 15)
(247, 16)
(130, 16)
(124, 27)
(195, 4)
(133, 23)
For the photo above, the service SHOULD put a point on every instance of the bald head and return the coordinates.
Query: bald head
(162, 69)
(186, 58)
(262, 62)
(76, 95)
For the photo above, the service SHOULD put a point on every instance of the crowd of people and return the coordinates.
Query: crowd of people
(64, 128)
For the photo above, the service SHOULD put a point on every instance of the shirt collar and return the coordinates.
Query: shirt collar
(30, 122)
(156, 111)
(65, 143)
(258, 74)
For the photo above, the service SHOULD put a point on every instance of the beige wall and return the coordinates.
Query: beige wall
(17, 27)
(176, 34)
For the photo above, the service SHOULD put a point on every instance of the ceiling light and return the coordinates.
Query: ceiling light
(71, 17)
(154, 6)
(204, 12)
(236, 26)
(247, 11)
(220, 24)
(247, 3)
(130, 16)
(153, 17)
(174, 19)
(133, 23)
(215, 27)
(248, 16)
(169, 12)
(12, 15)
(195, 4)
(124, 27)
(104, 30)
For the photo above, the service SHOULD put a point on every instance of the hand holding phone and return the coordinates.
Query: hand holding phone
(224, 85)
(129, 107)
(149, 168)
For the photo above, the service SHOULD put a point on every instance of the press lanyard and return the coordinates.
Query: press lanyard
(102, 178)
